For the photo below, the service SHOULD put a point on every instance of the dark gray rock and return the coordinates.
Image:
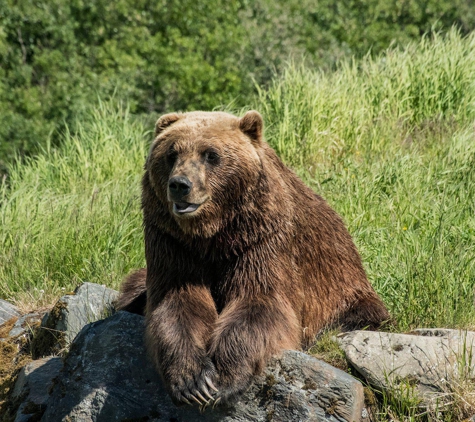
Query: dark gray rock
(107, 377)
(32, 387)
(7, 311)
(90, 302)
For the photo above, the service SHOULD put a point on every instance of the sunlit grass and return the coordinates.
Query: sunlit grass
(389, 142)
(372, 106)
(73, 215)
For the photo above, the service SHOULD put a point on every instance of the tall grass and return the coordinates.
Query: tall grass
(73, 215)
(370, 106)
(389, 142)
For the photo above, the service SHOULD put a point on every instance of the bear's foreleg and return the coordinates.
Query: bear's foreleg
(178, 330)
(248, 331)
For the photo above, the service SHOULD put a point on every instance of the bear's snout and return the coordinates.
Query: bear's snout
(179, 187)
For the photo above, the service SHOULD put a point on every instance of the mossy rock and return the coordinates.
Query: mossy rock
(89, 303)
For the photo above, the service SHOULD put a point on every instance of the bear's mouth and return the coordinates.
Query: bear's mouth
(184, 207)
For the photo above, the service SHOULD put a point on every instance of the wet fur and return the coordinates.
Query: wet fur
(264, 266)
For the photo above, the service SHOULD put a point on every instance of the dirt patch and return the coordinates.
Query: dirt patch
(47, 340)
(13, 356)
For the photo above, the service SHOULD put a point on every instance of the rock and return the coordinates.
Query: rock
(90, 302)
(7, 311)
(305, 389)
(32, 387)
(429, 362)
(455, 335)
(26, 324)
(107, 377)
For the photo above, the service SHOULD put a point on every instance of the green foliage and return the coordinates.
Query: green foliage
(73, 214)
(57, 57)
(361, 25)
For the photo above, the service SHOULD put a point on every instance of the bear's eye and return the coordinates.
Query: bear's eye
(171, 156)
(211, 157)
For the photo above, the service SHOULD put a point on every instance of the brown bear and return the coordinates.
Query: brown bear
(243, 259)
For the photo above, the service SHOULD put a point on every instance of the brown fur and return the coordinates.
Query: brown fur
(132, 293)
(264, 264)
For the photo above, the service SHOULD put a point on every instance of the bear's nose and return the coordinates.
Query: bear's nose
(179, 186)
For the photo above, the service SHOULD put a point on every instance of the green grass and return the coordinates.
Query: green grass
(389, 142)
(73, 215)
(372, 106)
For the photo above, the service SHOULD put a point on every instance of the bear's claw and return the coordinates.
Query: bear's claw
(210, 384)
(207, 394)
(185, 400)
(200, 396)
(216, 402)
(195, 399)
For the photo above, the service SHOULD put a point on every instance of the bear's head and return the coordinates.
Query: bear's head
(202, 165)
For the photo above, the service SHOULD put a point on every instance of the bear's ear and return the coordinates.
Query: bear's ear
(251, 124)
(166, 120)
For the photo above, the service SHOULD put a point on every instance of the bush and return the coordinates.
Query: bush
(57, 57)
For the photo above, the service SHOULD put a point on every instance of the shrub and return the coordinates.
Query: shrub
(57, 57)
